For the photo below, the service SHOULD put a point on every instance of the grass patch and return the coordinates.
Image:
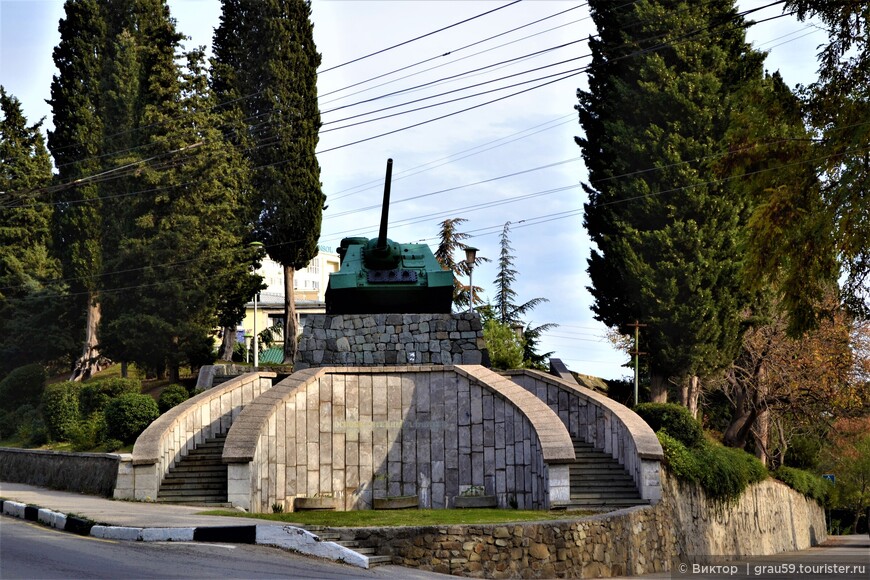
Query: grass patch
(411, 517)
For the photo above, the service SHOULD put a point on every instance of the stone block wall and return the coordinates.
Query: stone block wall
(604, 423)
(175, 433)
(684, 528)
(390, 339)
(355, 434)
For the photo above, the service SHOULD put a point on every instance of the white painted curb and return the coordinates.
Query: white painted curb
(304, 542)
(116, 533)
(167, 535)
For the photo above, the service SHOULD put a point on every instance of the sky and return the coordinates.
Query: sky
(503, 156)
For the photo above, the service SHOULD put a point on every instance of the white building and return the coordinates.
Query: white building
(309, 289)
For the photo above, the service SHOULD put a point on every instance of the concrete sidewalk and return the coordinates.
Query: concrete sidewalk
(145, 521)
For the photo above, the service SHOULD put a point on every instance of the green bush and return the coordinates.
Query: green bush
(721, 471)
(112, 445)
(680, 459)
(675, 420)
(22, 386)
(30, 427)
(60, 409)
(89, 432)
(128, 415)
(809, 484)
(95, 395)
(171, 396)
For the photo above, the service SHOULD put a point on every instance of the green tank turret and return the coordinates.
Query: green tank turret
(380, 276)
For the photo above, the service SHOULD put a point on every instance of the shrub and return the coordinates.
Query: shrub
(112, 445)
(675, 420)
(128, 415)
(23, 386)
(809, 484)
(172, 396)
(60, 409)
(681, 461)
(30, 427)
(721, 471)
(95, 395)
(89, 432)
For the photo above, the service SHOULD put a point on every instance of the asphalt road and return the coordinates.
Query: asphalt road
(31, 551)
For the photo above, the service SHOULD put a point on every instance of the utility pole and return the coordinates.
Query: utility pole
(636, 352)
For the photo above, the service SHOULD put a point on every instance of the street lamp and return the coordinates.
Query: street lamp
(257, 245)
(470, 257)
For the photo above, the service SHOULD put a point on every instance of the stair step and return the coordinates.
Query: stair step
(379, 560)
(199, 477)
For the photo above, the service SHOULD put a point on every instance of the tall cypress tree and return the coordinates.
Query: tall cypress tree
(75, 144)
(265, 56)
(663, 85)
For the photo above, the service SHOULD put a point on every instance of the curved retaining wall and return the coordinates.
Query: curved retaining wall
(180, 429)
(349, 435)
(90, 473)
(602, 422)
(684, 528)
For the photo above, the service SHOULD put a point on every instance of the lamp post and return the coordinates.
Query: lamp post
(470, 257)
(256, 342)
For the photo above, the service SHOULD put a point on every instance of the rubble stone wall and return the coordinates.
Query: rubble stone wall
(390, 339)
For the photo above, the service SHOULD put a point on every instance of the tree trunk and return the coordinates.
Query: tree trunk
(694, 388)
(738, 432)
(761, 435)
(89, 362)
(124, 369)
(228, 344)
(290, 332)
(658, 388)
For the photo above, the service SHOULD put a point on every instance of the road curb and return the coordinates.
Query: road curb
(285, 537)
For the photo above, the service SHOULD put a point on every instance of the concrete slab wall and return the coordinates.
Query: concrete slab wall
(353, 434)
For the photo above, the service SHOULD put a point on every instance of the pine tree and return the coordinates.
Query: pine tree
(266, 58)
(510, 314)
(450, 241)
(29, 309)
(663, 85)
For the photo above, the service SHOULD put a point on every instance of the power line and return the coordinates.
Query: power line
(383, 50)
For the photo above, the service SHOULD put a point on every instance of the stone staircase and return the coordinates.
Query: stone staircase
(199, 478)
(598, 481)
(328, 535)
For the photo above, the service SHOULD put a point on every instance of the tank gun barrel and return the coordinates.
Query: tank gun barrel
(385, 210)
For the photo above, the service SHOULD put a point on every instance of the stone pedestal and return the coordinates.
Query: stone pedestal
(390, 339)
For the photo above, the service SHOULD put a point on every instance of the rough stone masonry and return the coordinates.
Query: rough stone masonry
(390, 339)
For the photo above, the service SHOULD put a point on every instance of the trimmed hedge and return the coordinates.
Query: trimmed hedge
(809, 484)
(675, 420)
(95, 395)
(128, 415)
(171, 396)
(60, 409)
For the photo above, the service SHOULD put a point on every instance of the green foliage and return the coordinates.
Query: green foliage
(88, 432)
(23, 386)
(96, 394)
(129, 415)
(663, 86)
(722, 472)
(675, 420)
(679, 458)
(505, 350)
(30, 428)
(809, 484)
(171, 396)
(278, 82)
(60, 409)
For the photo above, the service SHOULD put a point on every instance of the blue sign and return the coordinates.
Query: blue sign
(830, 477)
